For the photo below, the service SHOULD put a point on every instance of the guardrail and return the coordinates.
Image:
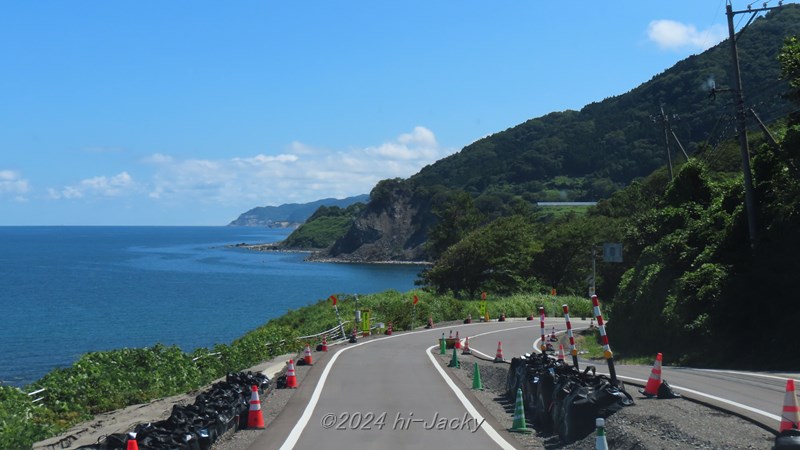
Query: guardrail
(35, 393)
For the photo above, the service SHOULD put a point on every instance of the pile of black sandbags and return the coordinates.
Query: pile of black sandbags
(221, 408)
(561, 399)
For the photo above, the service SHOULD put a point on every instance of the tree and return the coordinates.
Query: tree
(496, 257)
(456, 215)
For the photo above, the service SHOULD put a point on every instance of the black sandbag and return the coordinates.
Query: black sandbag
(665, 391)
(544, 401)
(515, 376)
(787, 439)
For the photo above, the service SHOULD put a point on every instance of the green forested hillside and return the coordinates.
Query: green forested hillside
(587, 154)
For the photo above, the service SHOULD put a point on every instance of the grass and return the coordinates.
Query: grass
(589, 341)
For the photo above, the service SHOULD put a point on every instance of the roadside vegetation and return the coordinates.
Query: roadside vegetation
(105, 381)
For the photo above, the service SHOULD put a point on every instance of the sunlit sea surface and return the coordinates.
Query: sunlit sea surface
(65, 291)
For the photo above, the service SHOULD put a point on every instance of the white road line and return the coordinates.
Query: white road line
(294, 435)
(749, 374)
(491, 432)
(711, 397)
(691, 391)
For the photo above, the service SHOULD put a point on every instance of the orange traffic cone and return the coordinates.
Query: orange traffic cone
(560, 352)
(499, 356)
(307, 355)
(324, 343)
(651, 390)
(466, 350)
(458, 341)
(291, 376)
(132, 444)
(790, 417)
(255, 418)
(389, 329)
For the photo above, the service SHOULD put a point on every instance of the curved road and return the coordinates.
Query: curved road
(389, 392)
(386, 392)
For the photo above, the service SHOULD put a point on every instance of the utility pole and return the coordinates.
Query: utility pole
(667, 131)
(666, 138)
(741, 124)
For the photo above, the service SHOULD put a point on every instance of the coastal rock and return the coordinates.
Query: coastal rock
(392, 227)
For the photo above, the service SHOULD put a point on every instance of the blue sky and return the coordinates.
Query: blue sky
(192, 112)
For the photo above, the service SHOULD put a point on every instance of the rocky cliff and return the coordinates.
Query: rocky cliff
(392, 227)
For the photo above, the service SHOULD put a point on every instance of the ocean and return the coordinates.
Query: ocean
(66, 291)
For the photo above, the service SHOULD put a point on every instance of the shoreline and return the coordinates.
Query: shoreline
(313, 255)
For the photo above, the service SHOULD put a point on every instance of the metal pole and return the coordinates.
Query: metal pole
(749, 192)
(666, 138)
(594, 270)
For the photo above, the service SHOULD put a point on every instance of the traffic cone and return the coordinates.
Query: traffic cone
(600, 442)
(353, 336)
(132, 443)
(291, 376)
(255, 418)
(498, 357)
(389, 329)
(442, 346)
(466, 350)
(560, 352)
(502, 317)
(530, 317)
(458, 341)
(790, 417)
(468, 319)
(307, 355)
(519, 425)
(454, 362)
(430, 322)
(324, 343)
(651, 389)
(476, 378)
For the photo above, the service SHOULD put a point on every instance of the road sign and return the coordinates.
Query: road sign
(612, 252)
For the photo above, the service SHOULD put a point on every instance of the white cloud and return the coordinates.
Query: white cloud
(13, 185)
(100, 186)
(672, 35)
(301, 173)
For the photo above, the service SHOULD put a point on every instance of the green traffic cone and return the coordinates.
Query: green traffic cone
(476, 378)
(442, 346)
(519, 424)
(454, 362)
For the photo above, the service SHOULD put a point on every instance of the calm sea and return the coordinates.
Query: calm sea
(65, 291)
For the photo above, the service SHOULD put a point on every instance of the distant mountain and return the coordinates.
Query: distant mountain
(290, 214)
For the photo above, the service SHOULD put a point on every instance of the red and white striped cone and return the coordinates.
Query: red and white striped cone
(572, 349)
(291, 376)
(389, 329)
(458, 341)
(307, 355)
(560, 352)
(790, 416)
(466, 350)
(255, 418)
(498, 357)
(324, 343)
(653, 383)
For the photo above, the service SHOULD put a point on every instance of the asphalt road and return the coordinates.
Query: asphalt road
(390, 392)
(386, 392)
